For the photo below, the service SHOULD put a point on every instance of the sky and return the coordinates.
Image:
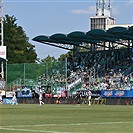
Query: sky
(48, 17)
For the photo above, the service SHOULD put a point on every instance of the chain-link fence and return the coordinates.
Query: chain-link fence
(45, 74)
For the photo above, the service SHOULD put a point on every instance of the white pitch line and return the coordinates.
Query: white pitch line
(27, 130)
(72, 124)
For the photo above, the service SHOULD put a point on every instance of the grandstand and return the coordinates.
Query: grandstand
(100, 60)
(102, 54)
(96, 51)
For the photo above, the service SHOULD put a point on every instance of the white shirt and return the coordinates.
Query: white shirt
(40, 94)
(14, 95)
(89, 94)
(0, 97)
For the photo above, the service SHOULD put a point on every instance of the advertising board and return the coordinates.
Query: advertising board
(117, 93)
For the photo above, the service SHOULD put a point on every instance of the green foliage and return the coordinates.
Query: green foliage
(49, 59)
(64, 56)
(19, 50)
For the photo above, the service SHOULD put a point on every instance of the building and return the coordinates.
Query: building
(103, 16)
(103, 19)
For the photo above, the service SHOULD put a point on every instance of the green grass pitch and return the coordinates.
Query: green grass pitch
(63, 118)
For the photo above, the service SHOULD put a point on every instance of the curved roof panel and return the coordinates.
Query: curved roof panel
(101, 35)
(76, 34)
(43, 38)
(131, 28)
(58, 36)
(130, 31)
(49, 41)
(40, 38)
(117, 30)
(121, 33)
(62, 38)
(96, 36)
(96, 32)
(81, 36)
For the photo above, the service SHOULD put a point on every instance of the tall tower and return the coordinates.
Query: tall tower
(1, 23)
(103, 15)
(2, 48)
(103, 8)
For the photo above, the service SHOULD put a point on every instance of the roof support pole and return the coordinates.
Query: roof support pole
(132, 56)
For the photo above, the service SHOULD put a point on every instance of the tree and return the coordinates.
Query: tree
(49, 59)
(64, 56)
(19, 50)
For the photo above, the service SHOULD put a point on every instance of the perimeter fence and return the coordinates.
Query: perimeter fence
(32, 74)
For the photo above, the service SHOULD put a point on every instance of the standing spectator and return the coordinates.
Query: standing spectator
(40, 96)
(14, 99)
(89, 94)
(0, 96)
(79, 97)
(58, 99)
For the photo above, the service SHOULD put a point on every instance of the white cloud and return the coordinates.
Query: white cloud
(89, 10)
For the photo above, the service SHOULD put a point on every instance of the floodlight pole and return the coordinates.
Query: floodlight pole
(66, 73)
(2, 40)
(131, 56)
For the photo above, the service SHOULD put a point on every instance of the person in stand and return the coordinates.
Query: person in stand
(40, 96)
(0, 96)
(89, 94)
(14, 99)
(58, 99)
(79, 97)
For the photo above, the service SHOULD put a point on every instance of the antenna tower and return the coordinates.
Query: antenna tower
(1, 35)
(103, 8)
(102, 18)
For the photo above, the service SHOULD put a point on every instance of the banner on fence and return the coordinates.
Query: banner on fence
(7, 101)
(25, 92)
(116, 93)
